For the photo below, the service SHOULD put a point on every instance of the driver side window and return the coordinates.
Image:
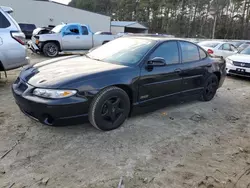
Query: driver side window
(169, 51)
(72, 30)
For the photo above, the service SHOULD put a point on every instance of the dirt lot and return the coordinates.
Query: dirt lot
(190, 144)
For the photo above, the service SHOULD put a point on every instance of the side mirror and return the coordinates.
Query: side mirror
(156, 62)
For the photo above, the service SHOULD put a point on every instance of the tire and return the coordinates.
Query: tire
(50, 49)
(210, 88)
(105, 42)
(109, 109)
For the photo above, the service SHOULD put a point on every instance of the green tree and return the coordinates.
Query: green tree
(183, 18)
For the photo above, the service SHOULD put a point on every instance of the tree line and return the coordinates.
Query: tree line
(224, 19)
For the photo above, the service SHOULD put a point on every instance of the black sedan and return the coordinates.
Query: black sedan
(107, 83)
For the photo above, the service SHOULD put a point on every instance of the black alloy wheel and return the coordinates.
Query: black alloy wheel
(109, 109)
(210, 88)
(112, 109)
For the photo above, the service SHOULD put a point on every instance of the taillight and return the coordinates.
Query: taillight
(210, 51)
(18, 36)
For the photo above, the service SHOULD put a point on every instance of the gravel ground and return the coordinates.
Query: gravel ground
(190, 144)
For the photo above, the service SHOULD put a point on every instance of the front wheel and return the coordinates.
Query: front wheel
(109, 109)
(210, 88)
(50, 49)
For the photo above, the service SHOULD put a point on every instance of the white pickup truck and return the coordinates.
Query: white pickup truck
(67, 37)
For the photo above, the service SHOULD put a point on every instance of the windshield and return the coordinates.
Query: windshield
(243, 46)
(237, 44)
(57, 29)
(209, 44)
(125, 51)
(246, 51)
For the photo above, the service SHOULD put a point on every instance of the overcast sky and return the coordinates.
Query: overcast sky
(62, 1)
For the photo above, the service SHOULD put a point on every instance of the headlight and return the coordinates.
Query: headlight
(229, 61)
(54, 93)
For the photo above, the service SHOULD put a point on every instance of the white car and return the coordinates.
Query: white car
(239, 64)
(219, 48)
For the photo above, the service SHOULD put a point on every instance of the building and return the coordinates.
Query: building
(127, 27)
(44, 13)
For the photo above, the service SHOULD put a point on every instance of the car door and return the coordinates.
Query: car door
(71, 39)
(86, 38)
(163, 81)
(194, 66)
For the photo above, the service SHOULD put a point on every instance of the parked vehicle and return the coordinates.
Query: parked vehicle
(239, 64)
(106, 84)
(103, 33)
(27, 29)
(237, 43)
(12, 42)
(219, 48)
(67, 37)
(244, 46)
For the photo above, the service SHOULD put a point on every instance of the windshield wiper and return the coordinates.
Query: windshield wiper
(87, 56)
(92, 58)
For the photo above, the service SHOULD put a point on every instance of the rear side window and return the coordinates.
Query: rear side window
(203, 54)
(226, 47)
(189, 52)
(169, 51)
(4, 23)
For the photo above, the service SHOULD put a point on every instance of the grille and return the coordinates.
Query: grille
(239, 73)
(241, 64)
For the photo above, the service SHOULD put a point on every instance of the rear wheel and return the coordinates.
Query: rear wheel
(105, 42)
(210, 88)
(50, 49)
(109, 109)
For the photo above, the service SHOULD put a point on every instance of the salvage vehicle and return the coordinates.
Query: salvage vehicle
(42, 30)
(105, 85)
(239, 64)
(219, 48)
(67, 37)
(12, 42)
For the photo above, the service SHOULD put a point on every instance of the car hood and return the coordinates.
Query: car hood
(60, 72)
(48, 36)
(240, 58)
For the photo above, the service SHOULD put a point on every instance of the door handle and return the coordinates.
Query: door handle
(177, 70)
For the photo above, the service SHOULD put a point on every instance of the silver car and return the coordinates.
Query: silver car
(12, 42)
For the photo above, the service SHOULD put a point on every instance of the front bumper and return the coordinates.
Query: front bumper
(68, 111)
(33, 47)
(232, 69)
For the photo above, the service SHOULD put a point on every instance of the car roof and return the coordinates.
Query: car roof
(156, 38)
(214, 41)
